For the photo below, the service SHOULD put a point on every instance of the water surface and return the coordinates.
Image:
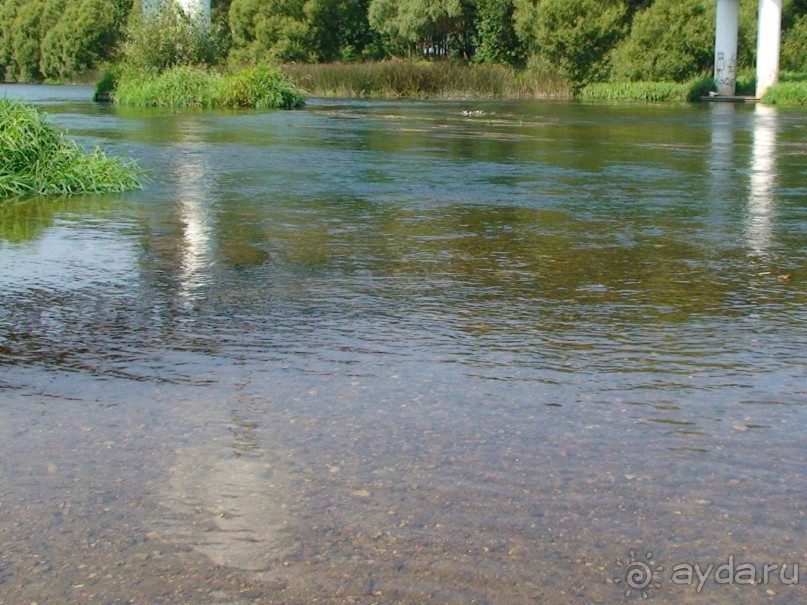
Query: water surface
(381, 352)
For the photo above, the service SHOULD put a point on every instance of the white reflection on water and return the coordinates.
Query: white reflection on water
(758, 222)
(193, 195)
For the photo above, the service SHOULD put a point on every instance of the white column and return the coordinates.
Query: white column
(769, 38)
(728, 26)
(198, 9)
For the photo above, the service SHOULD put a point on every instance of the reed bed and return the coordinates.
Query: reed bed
(37, 158)
(260, 87)
(424, 79)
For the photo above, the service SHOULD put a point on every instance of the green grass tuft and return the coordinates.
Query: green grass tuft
(260, 87)
(36, 158)
(787, 92)
(648, 91)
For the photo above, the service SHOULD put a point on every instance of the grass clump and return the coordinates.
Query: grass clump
(648, 91)
(260, 87)
(424, 79)
(790, 93)
(37, 158)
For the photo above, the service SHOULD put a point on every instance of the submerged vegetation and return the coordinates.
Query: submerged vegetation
(37, 158)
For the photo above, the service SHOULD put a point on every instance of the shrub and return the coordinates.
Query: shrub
(669, 41)
(168, 38)
(36, 158)
(576, 36)
(794, 46)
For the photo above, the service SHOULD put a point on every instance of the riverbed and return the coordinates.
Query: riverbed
(410, 352)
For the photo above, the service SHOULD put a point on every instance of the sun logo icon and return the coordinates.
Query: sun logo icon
(639, 576)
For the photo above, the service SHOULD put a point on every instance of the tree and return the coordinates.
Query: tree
(575, 36)
(497, 41)
(436, 26)
(338, 29)
(88, 32)
(269, 30)
(671, 40)
(794, 45)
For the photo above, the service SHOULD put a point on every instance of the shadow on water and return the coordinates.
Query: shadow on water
(390, 353)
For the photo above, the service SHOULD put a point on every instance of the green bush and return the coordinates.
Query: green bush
(669, 41)
(260, 87)
(36, 158)
(576, 36)
(794, 46)
(269, 30)
(87, 32)
(168, 38)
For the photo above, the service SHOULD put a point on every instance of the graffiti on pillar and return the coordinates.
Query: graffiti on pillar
(725, 70)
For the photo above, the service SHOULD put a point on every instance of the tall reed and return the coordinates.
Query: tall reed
(37, 158)
(424, 79)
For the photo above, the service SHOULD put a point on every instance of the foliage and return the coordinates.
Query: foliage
(648, 91)
(577, 41)
(794, 46)
(268, 30)
(791, 93)
(417, 79)
(670, 40)
(81, 38)
(577, 35)
(496, 34)
(35, 157)
(435, 26)
(57, 39)
(260, 87)
(188, 86)
(167, 38)
(339, 29)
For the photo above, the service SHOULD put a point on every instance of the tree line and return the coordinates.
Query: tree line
(579, 40)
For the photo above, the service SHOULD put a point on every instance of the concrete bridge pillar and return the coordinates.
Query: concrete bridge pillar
(769, 38)
(728, 26)
(198, 9)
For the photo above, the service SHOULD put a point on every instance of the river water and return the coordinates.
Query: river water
(384, 352)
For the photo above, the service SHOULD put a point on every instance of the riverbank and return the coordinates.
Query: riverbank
(457, 80)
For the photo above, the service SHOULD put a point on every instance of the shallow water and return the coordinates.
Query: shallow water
(381, 352)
